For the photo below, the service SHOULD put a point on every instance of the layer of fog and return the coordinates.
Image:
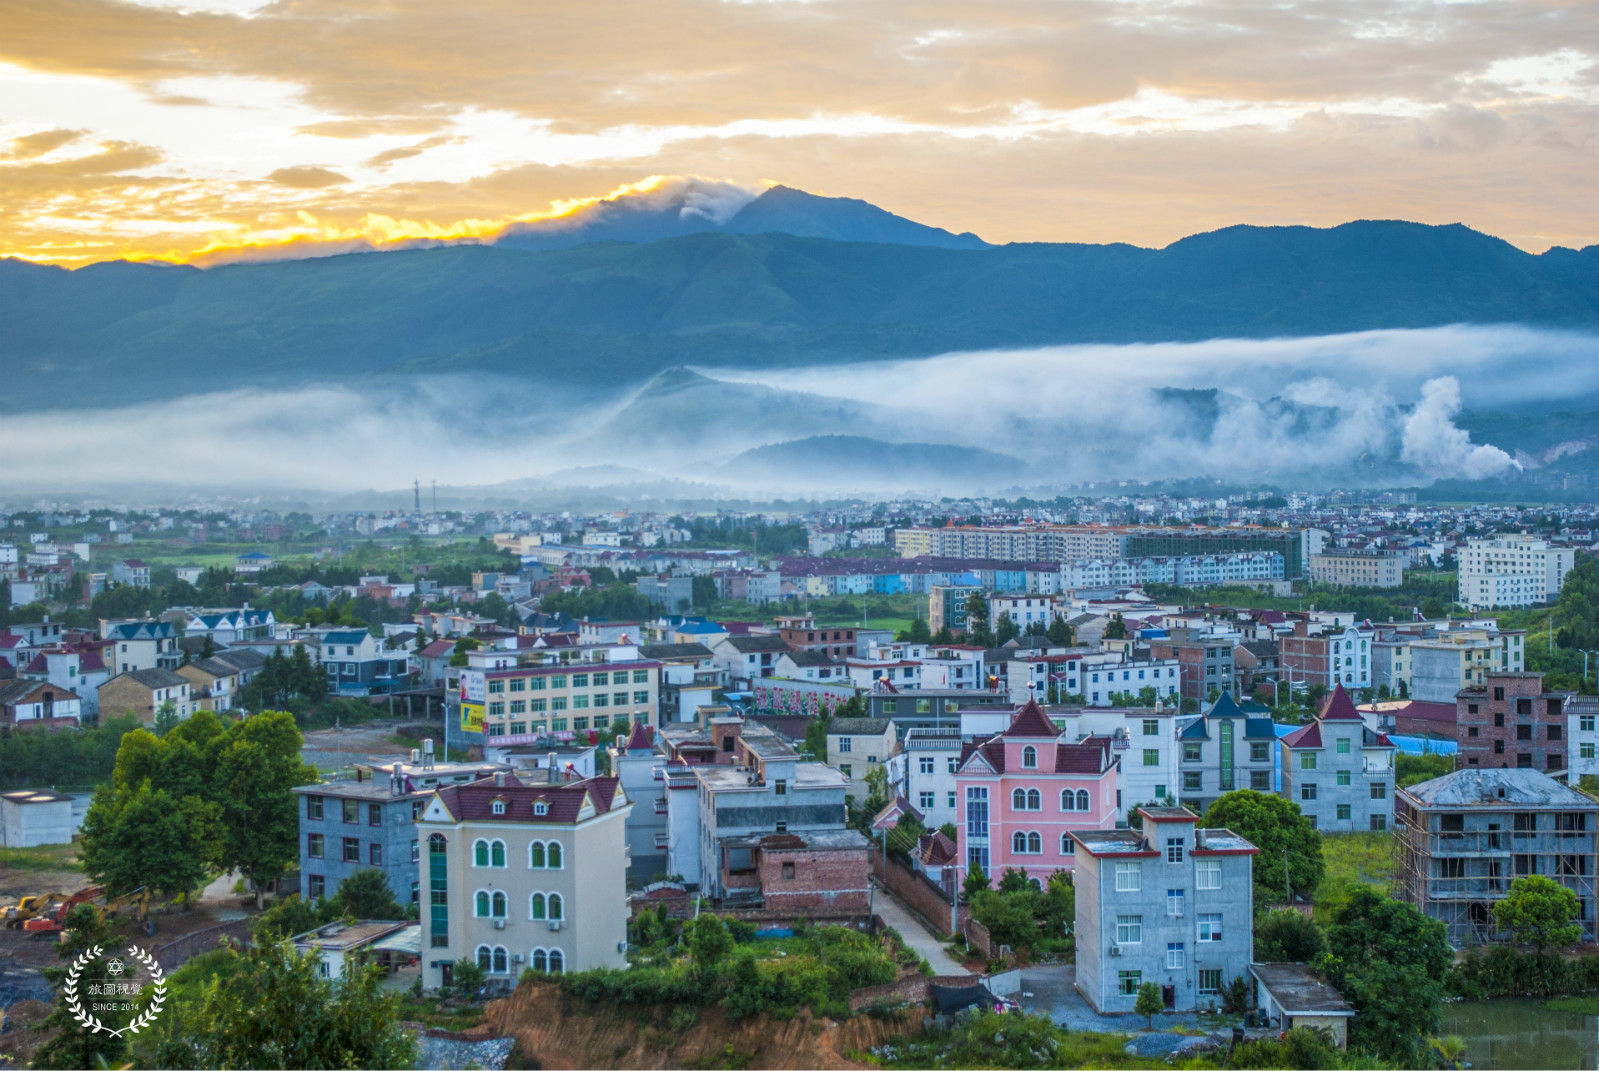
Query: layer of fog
(1374, 408)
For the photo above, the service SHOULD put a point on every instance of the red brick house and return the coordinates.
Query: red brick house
(1511, 721)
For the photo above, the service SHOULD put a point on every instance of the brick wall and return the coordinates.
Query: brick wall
(977, 938)
(175, 954)
(800, 880)
(925, 900)
(911, 988)
(1490, 722)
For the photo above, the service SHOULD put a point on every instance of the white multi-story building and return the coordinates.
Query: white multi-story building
(924, 772)
(1511, 571)
(1582, 735)
(1024, 610)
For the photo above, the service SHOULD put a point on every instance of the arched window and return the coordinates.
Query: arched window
(438, 891)
(553, 852)
(555, 907)
(1018, 799)
(497, 853)
(1067, 845)
(480, 905)
(1030, 757)
(480, 853)
(498, 907)
(535, 855)
(1068, 800)
(1035, 802)
(1035, 844)
(498, 807)
(539, 960)
(557, 961)
(1018, 842)
(536, 908)
(1082, 799)
(485, 958)
(502, 963)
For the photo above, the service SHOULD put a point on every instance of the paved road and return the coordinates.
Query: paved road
(915, 934)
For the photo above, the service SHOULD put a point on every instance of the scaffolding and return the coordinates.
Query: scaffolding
(1454, 864)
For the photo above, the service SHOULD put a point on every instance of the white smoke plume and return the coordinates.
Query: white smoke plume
(1434, 445)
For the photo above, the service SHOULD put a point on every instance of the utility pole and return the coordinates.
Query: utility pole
(1287, 888)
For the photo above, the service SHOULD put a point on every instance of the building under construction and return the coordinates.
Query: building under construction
(1463, 838)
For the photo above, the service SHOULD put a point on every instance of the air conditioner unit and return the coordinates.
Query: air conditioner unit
(517, 957)
(555, 924)
(621, 946)
(1115, 950)
(499, 924)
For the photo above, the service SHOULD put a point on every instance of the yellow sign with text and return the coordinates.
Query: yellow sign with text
(472, 717)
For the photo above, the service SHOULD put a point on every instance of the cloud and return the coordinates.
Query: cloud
(1433, 444)
(44, 142)
(307, 178)
(390, 156)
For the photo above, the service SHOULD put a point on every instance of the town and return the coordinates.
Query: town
(1258, 779)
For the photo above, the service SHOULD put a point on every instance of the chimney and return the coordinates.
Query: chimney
(554, 767)
(499, 778)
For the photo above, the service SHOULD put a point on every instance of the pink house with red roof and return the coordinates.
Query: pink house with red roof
(1020, 793)
(1339, 772)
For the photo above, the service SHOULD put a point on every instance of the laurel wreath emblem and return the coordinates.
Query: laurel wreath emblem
(69, 989)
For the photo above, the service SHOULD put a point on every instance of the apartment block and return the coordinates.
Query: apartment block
(521, 699)
(1222, 750)
(1511, 570)
(1349, 568)
(1512, 721)
(1171, 904)
(1339, 772)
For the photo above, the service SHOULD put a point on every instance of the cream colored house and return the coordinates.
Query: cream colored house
(518, 873)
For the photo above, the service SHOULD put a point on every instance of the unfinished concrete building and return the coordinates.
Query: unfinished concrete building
(1464, 837)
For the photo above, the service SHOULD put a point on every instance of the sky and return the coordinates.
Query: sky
(163, 128)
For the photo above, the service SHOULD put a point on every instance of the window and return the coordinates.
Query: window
(1257, 751)
(537, 907)
(374, 854)
(1379, 790)
(1343, 812)
(1499, 747)
(1585, 723)
(1210, 926)
(317, 886)
(1379, 823)
(352, 812)
(1127, 982)
(1554, 732)
(1210, 981)
(1307, 792)
(416, 851)
(1193, 781)
(1523, 732)
(1585, 750)
(1343, 778)
(640, 676)
(844, 744)
(602, 679)
(352, 850)
(1151, 756)
(845, 768)
(1129, 877)
(1174, 903)
(1129, 929)
(1307, 761)
(1343, 745)
(580, 680)
(925, 765)
(1260, 780)
(1029, 757)
(949, 798)
(977, 813)
(1174, 849)
(535, 684)
(780, 787)
(1067, 845)
(1174, 956)
(1499, 719)
(924, 800)
(580, 702)
(313, 808)
(1207, 873)
(438, 891)
(480, 853)
(1151, 727)
(556, 907)
(1191, 752)
(552, 852)
(641, 697)
(313, 846)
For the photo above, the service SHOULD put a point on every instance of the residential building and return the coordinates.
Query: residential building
(524, 876)
(924, 773)
(1347, 567)
(1510, 720)
(1144, 742)
(1020, 792)
(360, 664)
(818, 873)
(1255, 664)
(342, 945)
(228, 627)
(1204, 658)
(1171, 904)
(673, 593)
(1339, 772)
(71, 669)
(143, 692)
(1582, 737)
(30, 817)
(1442, 664)
(577, 690)
(636, 764)
(132, 571)
(929, 708)
(1222, 750)
(1110, 680)
(369, 822)
(1511, 571)
(809, 666)
(1328, 657)
(946, 604)
(146, 644)
(748, 657)
(251, 563)
(1289, 995)
(855, 746)
(801, 634)
(213, 684)
(1464, 837)
(1023, 610)
(30, 704)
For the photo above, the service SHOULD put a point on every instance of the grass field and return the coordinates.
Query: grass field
(1353, 859)
(44, 857)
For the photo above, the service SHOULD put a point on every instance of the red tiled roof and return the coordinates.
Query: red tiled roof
(993, 750)
(1091, 756)
(935, 849)
(1309, 736)
(1031, 721)
(437, 649)
(643, 737)
(474, 802)
(1339, 707)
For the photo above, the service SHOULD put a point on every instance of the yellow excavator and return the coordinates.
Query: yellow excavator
(55, 921)
(30, 907)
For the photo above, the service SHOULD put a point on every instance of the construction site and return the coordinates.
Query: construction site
(1463, 838)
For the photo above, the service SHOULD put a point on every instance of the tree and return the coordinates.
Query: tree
(976, 613)
(76, 1045)
(815, 745)
(1008, 914)
(166, 718)
(976, 881)
(1286, 936)
(1150, 1003)
(292, 916)
(257, 767)
(270, 1007)
(1116, 629)
(1539, 912)
(1005, 630)
(366, 894)
(1059, 632)
(708, 941)
(1275, 826)
(917, 633)
(1389, 962)
(147, 837)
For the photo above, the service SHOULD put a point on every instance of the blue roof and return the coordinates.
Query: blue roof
(346, 636)
(252, 554)
(699, 627)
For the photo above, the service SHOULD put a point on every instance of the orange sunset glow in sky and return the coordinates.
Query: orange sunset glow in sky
(176, 129)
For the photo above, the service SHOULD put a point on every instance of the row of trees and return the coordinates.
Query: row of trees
(206, 797)
(82, 758)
